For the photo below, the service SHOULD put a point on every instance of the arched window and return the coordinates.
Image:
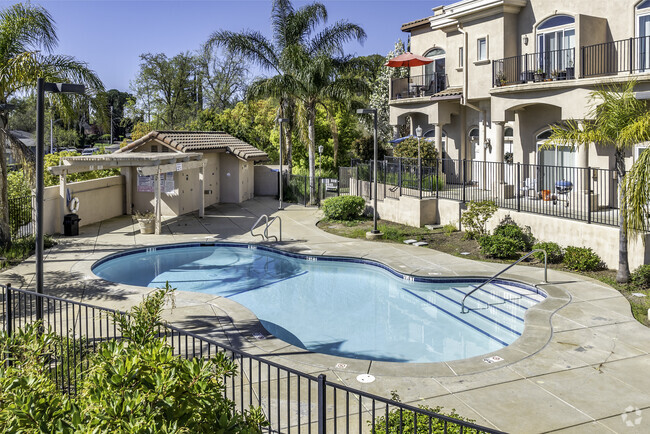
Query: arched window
(507, 139)
(473, 134)
(643, 34)
(431, 134)
(435, 71)
(556, 44)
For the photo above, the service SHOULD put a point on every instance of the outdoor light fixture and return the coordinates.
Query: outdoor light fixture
(41, 87)
(280, 121)
(525, 40)
(374, 206)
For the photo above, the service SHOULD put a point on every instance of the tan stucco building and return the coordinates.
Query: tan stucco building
(504, 70)
(228, 173)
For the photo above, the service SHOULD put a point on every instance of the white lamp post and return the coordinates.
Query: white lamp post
(320, 160)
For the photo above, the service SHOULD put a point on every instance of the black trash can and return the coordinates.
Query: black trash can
(71, 225)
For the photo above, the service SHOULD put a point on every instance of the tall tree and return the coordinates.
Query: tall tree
(295, 40)
(27, 39)
(618, 120)
(225, 77)
(167, 88)
(118, 101)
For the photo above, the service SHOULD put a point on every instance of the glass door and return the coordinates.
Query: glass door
(644, 42)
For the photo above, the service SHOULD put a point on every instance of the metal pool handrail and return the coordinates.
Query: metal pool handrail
(462, 308)
(268, 222)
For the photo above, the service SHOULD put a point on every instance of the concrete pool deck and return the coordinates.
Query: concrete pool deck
(581, 366)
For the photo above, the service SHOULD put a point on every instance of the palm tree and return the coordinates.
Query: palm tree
(294, 40)
(322, 81)
(617, 120)
(27, 38)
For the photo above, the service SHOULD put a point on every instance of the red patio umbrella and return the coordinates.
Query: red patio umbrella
(408, 60)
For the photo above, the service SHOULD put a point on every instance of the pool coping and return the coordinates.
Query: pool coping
(536, 335)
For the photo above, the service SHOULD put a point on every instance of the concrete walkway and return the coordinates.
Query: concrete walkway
(581, 365)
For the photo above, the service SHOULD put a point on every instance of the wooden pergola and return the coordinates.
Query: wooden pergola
(146, 164)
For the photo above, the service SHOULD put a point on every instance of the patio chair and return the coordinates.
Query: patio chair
(530, 184)
(430, 88)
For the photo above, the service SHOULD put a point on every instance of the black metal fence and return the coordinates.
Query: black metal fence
(21, 220)
(291, 400)
(298, 189)
(583, 194)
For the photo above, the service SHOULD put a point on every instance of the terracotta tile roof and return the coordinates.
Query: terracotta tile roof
(449, 93)
(190, 141)
(413, 24)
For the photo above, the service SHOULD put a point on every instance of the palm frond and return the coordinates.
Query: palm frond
(26, 27)
(636, 209)
(250, 44)
(332, 38)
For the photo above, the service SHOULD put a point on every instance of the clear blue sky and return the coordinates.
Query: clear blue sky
(110, 35)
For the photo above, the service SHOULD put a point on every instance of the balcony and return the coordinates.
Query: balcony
(626, 56)
(418, 86)
(611, 58)
(542, 66)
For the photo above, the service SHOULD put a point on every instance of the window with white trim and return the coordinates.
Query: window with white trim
(481, 49)
(638, 149)
(461, 58)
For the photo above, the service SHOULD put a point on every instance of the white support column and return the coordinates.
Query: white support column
(157, 205)
(128, 189)
(499, 149)
(201, 192)
(582, 161)
(64, 199)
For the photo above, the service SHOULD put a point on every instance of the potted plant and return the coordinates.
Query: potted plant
(501, 78)
(539, 75)
(555, 74)
(147, 221)
(508, 158)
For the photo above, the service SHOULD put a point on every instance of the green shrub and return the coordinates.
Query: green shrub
(476, 216)
(409, 149)
(582, 259)
(554, 252)
(403, 421)
(134, 384)
(343, 207)
(498, 246)
(449, 229)
(641, 277)
(510, 229)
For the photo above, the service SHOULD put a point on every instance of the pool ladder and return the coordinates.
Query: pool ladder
(462, 306)
(268, 222)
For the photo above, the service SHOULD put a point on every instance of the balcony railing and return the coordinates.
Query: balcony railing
(418, 85)
(540, 66)
(610, 58)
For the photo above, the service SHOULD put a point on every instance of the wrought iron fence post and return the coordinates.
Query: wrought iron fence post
(8, 320)
(589, 195)
(322, 406)
(462, 176)
(399, 175)
(385, 167)
(420, 176)
(8, 310)
(437, 172)
(305, 192)
(518, 188)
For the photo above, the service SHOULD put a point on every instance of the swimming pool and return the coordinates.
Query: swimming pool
(338, 306)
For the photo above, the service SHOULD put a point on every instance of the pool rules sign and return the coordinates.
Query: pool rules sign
(146, 184)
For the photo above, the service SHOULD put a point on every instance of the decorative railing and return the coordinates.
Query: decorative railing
(610, 58)
(575, 193)
(418, 85)
(550, 65)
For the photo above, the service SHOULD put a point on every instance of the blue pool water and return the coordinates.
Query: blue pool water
(338, 306)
